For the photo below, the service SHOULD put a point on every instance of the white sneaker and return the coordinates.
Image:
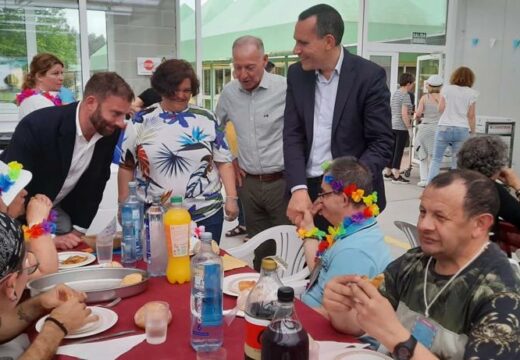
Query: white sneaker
(422, 183)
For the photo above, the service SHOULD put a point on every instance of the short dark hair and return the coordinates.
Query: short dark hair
(328, 21)
(349, 170)
(486, 154)
(169, 75)
(105, 84)
(269, 66)
(463, 76)
(405, 79)
(481, 193)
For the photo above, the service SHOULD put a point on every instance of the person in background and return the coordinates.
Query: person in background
(66, 95)
(69, 154)
(337, 104)
(458, 120)
(254, 102)
(66, 306)
(488, 155)
(270, 66)
(454, 297)
(358, 245)
(427, 115)
(145, 99)
(177, 148)
(41, 85)
(401, 124)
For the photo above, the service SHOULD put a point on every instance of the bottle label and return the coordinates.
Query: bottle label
(179, 240)
(254, 330)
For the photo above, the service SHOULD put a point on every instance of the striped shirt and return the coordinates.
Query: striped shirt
(399, 99)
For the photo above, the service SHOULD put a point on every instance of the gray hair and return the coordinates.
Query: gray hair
(349, 170)
(249, 40)
(486, 154)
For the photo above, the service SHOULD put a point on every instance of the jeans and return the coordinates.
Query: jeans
(213, 224)
(445, 136)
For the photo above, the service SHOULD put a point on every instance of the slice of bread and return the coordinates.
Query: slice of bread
(132, 279)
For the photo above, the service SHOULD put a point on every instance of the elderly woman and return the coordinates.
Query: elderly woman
(428, 115)
(488, 155)
(41, 85)
(68, 311)
(458, 120)
(177, 148)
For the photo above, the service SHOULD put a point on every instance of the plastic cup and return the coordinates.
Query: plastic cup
(104, 249)
(156, 323)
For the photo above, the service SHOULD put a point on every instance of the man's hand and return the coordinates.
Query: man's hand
(300, 201)
(231, 208)
(73, 314)
(338, 296)
(59, 295)
(38, 209)
(509, 177)
(67, 241)
(239, 173)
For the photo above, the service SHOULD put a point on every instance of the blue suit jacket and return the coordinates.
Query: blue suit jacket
(362, 120)
(44, 142)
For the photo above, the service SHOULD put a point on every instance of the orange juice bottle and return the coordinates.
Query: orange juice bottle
(177, 230)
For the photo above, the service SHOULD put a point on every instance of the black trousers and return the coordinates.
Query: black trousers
(400, 139)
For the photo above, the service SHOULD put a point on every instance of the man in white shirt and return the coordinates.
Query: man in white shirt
(69, 149)
(337, 104)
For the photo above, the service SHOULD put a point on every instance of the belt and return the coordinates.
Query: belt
(267, 177)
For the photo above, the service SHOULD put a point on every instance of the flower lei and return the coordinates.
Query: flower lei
(47, 226)
(13, 173)
(357, 195)
(27, 93)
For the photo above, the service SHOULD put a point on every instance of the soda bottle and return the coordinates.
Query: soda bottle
(260, 308)
(207, 331)
(156, 252)
(177, 232)
(285, 337)
(131, 218)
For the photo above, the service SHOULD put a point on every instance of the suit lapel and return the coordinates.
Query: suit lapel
(308, 106)
(67, 137)
(346, 81)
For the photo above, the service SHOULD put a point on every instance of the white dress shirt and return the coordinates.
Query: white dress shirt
(81, 157)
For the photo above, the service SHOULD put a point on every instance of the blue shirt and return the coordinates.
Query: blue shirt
(362, 251)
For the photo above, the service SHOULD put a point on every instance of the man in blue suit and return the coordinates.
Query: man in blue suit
(337, 104)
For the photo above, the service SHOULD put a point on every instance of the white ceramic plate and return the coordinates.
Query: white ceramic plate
(107, 319)
(354, 354)
(62, 256)
(239, 313)
(230, 284)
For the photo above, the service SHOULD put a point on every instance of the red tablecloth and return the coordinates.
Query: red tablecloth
(178, 345)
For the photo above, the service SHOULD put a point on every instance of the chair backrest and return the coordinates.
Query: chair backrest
(410, 231)
(288, 247)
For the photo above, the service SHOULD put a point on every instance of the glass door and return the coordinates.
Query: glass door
(427, 65)
(390, 62)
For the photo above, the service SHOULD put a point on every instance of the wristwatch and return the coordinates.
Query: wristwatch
(405, 349)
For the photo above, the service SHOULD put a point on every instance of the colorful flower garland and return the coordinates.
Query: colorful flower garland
(27, 93)
(47, 226)
(8, 180)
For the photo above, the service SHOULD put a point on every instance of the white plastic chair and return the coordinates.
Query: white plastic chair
(288, 247)
(410, 230)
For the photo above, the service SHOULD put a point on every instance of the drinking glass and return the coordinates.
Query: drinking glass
(156, 323)
(104, 247)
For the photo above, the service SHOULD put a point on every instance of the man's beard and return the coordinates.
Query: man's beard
(100, 123)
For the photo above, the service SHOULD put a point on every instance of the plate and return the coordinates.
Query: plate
(62, 256)
(107, 319)
(239, 313)
(230, 283)
(355, 354)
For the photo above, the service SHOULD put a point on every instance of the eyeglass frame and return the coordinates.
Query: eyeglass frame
(29, 269)
(325, 193)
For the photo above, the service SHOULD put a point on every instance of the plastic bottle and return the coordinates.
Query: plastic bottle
(177, 233)
(260, 308)
(132, 222)
(207, 331)
(156, 252)
(285, 337)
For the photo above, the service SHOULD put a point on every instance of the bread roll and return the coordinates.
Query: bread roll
(140, 315)
(246, 284)
(132, 279)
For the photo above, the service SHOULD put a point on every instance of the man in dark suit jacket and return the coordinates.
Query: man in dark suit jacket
(69, 149)
(337, 104)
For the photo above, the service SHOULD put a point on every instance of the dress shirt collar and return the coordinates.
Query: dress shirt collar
(337, 68)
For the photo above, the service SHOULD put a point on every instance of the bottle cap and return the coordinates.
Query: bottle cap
(176, 199)
(269, 264)
(285, 294)
(206, 236)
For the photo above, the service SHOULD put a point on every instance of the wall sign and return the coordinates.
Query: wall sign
(418, 37)
(147, 65)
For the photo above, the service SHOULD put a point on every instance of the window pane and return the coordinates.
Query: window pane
(407, 21)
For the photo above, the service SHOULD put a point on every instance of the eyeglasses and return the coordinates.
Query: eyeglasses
(30, 265)
(323, 194)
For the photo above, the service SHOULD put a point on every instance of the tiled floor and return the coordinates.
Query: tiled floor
(402, 204)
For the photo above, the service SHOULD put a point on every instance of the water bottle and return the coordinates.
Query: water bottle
(155, 243)
(131, 217)
(285, 337)
(260, 308)
(207, 331)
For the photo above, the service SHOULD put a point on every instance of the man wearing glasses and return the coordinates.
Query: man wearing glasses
(68, 311)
